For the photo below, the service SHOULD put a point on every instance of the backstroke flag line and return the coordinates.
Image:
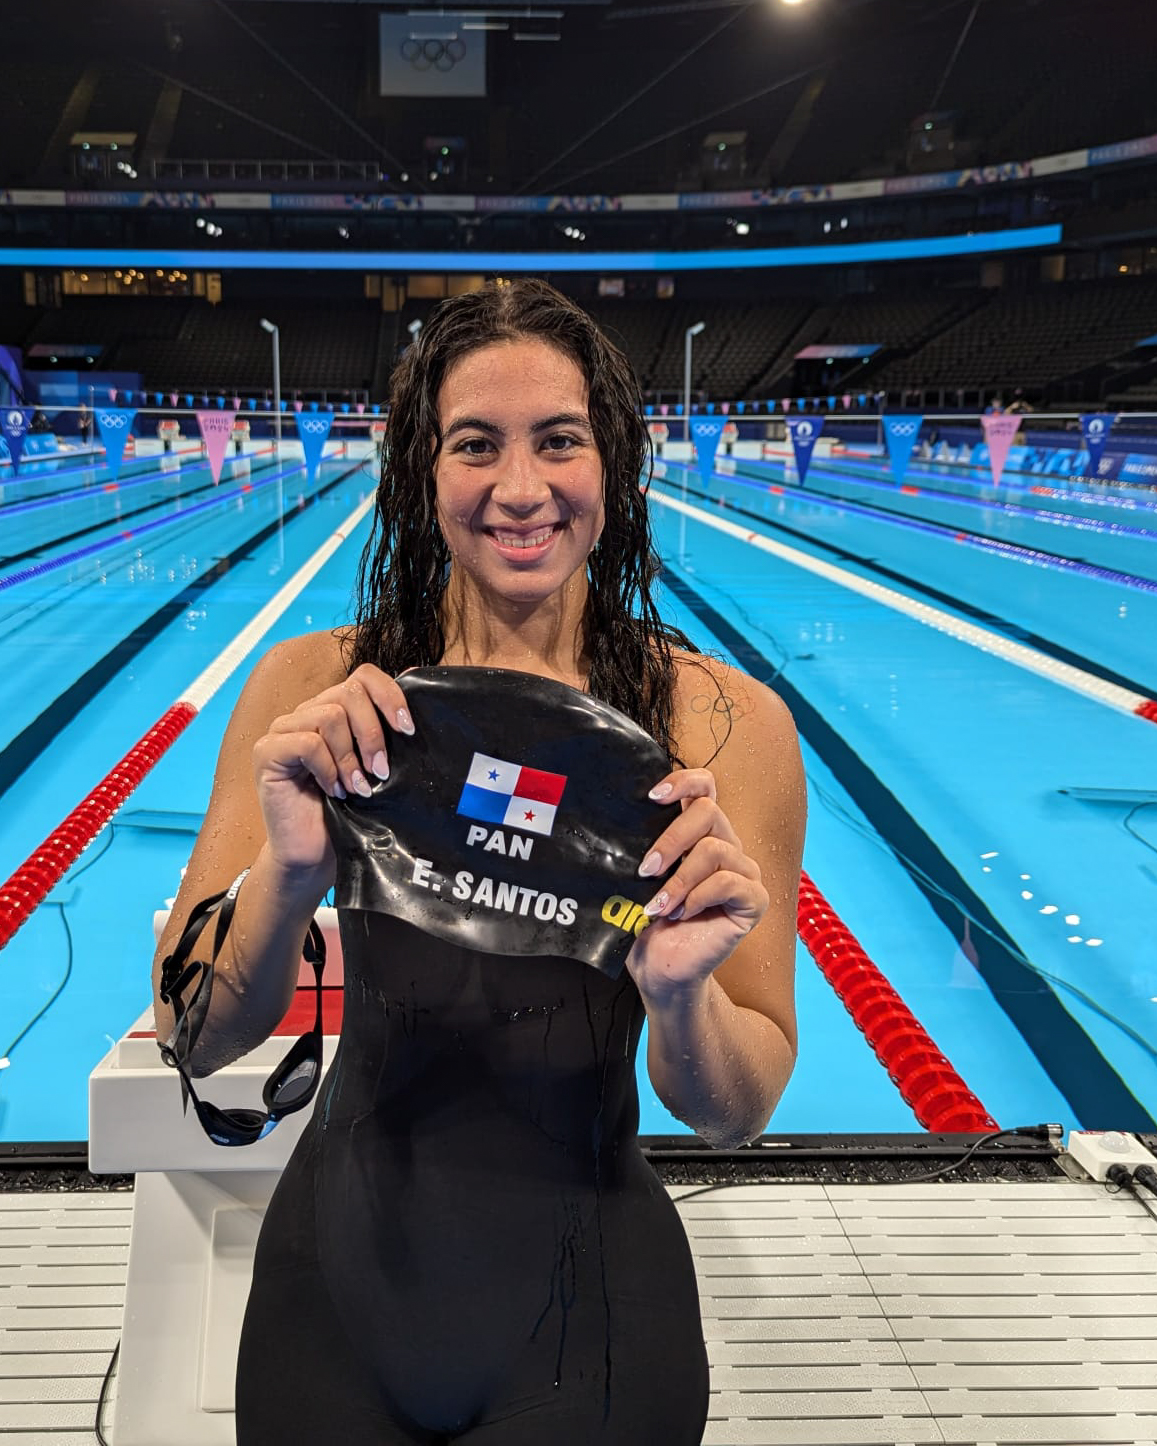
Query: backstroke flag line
(804, 433)
(115, 425)
(216, 431)
(705, 433)
(901, 433)
(999, 430)
(313, 429)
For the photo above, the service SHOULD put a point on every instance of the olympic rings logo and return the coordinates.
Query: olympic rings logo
(433, 54)
(112, 421)
(315, 426)
(903, 429)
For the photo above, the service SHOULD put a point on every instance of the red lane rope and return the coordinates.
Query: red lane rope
(42, 870)
(939, 1098)
(927, 1081)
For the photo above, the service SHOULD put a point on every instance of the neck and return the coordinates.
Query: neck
(545, 637)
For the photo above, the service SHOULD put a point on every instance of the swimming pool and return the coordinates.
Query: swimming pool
(983, 811)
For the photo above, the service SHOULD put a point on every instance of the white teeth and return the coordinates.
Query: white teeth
(517, 539)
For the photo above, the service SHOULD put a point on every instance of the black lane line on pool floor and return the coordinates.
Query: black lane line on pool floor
(118, 522)
(1098, 1096)
(43, 731)
(995, 621)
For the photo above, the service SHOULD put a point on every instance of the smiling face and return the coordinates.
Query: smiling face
(519, 479)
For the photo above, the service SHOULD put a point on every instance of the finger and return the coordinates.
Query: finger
(286, 755)
(331, 720)
(683, 784)
(365, 716)
(742, 899)
(386, 696)
(709, 857)
(701, 818)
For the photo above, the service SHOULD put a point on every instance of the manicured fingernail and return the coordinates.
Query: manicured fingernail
(676, 913)
(405, 722)
(661, 790)
(361, 783)
(338, 791)
(380, 764)
(657, 904)
(650, 865)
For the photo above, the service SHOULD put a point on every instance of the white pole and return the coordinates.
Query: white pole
(276, 335)
(687, 335)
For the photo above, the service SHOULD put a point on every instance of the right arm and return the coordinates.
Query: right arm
(291, 736)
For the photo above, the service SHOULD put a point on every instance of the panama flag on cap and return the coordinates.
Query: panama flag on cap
(500, 792)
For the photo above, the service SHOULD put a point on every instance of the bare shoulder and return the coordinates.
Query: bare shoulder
(293, 671)
(721, 714)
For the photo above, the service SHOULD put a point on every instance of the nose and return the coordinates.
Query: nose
(520, 486)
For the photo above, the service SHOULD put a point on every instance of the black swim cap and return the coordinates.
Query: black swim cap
(513, 821)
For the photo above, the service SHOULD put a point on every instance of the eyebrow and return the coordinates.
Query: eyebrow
(560, 419)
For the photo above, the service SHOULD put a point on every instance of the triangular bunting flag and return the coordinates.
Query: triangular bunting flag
(16, 421)
(115, 425)
(216, 430)
(901, 434)
(313, 429)
(999, 430)
(705, 433)
(804, 433)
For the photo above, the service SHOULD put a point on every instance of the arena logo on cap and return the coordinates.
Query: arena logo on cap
(497, 791)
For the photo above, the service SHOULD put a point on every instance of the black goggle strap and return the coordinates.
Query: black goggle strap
(178, 972)
(176, 976)
(307, 1048)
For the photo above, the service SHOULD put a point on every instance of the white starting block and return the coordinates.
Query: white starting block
(197, 1210)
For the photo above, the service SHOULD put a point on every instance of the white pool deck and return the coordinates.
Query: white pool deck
(999, 1312)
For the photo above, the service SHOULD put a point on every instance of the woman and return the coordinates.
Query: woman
(467, 1245)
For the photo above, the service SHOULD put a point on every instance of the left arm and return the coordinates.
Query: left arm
(718, 991)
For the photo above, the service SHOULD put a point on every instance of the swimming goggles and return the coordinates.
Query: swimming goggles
(292, 1084)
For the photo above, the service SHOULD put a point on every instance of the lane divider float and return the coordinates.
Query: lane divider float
(31, 883)
(937, 1095)
(1099, 690)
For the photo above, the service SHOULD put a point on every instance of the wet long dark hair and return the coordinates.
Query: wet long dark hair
(404, 570)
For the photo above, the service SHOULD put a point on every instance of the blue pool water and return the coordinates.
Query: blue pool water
(987, 832)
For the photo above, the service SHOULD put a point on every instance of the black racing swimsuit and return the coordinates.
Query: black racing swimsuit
(467, 1244)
